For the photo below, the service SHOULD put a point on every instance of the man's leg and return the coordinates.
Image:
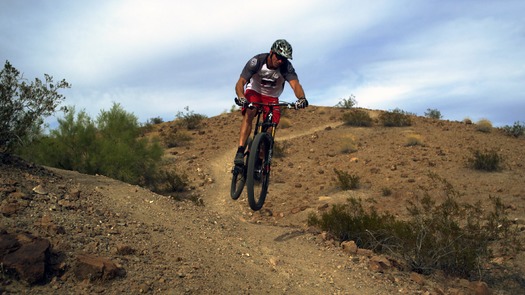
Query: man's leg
(246, 129)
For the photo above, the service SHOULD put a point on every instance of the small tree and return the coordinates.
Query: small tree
(347, 103)
(433, 114)
(23, 105)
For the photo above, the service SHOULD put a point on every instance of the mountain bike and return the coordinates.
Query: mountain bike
(255, 173)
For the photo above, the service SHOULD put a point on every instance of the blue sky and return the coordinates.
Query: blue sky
(464, 58)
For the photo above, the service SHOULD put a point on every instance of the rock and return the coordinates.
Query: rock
(29, 260)
(92, 268)
(9, 209)
(480, 288)
(417, 278)
(349, 247)
(379, 264)
(125, 249)
(365, 252)
(39, 189)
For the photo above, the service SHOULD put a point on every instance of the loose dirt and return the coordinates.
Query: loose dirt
(210, 244)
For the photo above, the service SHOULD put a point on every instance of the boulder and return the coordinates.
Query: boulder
(92, 268)
(25, 255)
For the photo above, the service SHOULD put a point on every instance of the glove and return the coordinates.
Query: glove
(301, 103)
(241, 101)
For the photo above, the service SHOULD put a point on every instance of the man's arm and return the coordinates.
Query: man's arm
(239, 87)
(297, 88)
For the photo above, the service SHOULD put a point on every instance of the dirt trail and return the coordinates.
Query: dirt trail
(280, 259)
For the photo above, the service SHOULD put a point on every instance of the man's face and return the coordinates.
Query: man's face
(276, 60)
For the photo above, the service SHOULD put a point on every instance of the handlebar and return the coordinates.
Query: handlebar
(280, 104)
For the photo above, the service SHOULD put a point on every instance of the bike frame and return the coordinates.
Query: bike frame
(267, 122)
(247, 173)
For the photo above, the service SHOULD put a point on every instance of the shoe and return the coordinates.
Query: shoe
(239, 159)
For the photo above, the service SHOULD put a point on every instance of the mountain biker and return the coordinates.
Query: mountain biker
(262, 80)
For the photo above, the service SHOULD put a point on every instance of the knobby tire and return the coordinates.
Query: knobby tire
(239, 176)
(258, 173)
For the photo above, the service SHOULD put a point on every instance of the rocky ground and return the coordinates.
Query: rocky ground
(109, 237)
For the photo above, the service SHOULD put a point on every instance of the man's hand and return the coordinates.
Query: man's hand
(301, 103)
(241, 101)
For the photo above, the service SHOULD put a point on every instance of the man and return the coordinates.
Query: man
(262, 80)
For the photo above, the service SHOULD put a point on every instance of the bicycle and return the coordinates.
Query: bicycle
(255, 173)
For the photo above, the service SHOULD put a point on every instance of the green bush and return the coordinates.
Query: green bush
(395, 118)
(433, 114)
(155, 121)
(347, 103)
(189, 119)
(516, 130)
(486, 161)
(24, 105)
(358, 118)
(71, 146)
(111, 146)
(347, 181)
(451, 236)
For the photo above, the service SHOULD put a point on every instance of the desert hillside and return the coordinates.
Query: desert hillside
(203, 242)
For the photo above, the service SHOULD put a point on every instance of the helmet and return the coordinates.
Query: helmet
(283, 48)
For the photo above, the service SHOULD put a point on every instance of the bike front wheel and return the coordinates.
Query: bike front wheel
(238, 180)
(239, 175)
(258, 172)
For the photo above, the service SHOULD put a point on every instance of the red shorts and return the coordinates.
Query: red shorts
(253, 96)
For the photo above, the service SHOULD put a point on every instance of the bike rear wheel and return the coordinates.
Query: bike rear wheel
(239, 176)
(258, 173)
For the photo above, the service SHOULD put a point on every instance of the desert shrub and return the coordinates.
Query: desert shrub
(280, 148)
(155, 121)
(357, 118)
(351, 221)
(23, 106)
(484, 125)
(451, 236)
(347, 181)
(189, 119)
(433, 114)
(169, 181)
(348, 145)
(234, 108)
(467, 121)
(347, 103)
(395, 118)
(385, 192)
(516, 130)
(175, 137)
(413, 139)
(73, 145)
(110, 146)
(486, 161)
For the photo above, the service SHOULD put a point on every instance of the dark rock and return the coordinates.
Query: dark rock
(29, 260)
(92, 268)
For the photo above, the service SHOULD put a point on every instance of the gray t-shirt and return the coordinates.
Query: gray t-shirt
(269, 82)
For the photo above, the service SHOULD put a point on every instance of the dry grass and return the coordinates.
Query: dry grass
(413, 139)
(348, 144)
(484, 125)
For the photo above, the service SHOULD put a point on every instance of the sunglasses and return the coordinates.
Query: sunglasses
(280, 57)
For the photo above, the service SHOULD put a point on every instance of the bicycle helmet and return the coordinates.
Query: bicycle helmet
(283, 48)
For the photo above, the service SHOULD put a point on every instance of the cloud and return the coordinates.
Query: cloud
(160, 56)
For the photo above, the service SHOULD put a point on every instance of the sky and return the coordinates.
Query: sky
(465, 58)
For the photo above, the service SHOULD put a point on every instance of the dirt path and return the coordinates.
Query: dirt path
(220, 246)
(276, 259)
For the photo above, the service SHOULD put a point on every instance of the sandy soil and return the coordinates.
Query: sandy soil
(214, 245)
